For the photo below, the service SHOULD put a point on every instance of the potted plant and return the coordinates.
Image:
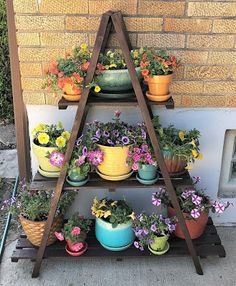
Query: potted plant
(49, 144)
(157, 68)
(75, 233)
(68, 74)
(114, 140)
(113, 227)
(82, 162)
(153, 231)
(180, 148)
(113, 76)
(195, 206)
(32, 208)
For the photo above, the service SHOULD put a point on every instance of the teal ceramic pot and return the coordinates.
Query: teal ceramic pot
(74, 176)
(118, 238)
(147, 172)
(116, 80)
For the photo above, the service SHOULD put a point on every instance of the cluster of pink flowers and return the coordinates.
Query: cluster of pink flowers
(140, 156)
(75, 231)
(56, 159)
(95, 157)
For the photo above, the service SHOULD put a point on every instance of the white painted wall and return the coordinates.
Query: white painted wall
(211, 122)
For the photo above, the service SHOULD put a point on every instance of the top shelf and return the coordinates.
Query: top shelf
(93, 100)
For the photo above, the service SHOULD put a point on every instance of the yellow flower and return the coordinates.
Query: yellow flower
(113, 203)
(200, 156)
(135, 54)
(97, 88)
(181, 135)
(66, 135)
(43, 138)
(113, 66)
(102, 204)
(188, 167)
(107, 67)
(59, 125)
(93, 209)
(84, 46)
(60, 142)
(95, 201)
(192, 143)
(132, 216)
(107, 214)
(39, 128)
(99, 213)
(195, 153)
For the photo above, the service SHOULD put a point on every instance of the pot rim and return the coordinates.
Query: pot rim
(22, 217)
(117, 70)
(111, 147)
(119, 225)
(202, 212)
(162, 75)
(33, 143)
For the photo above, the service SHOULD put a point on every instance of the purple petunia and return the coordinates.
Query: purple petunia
(85, 151)
(155, 201)
(195, 213)
(116, 133)
(98, 133)
(153, 227)
(196, 200)
(106, 134)
(109, 141)
(125, 140)
(144, 134)
(94, 139)
(136, 244)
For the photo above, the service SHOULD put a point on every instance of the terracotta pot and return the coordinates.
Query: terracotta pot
(159, 84)
(175, 164)
(195, 226)
(77, 253)
(34, 229)
(70, 94)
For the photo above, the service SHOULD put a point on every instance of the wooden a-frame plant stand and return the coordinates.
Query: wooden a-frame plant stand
(25, 249)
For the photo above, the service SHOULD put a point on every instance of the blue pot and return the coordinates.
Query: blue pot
(118, 238)
(74, 176)
(147, 172)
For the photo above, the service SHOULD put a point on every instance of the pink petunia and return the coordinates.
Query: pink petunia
(75, 231)
(144, 148)
(59, 235)
(136, 157)
(78, 246)
(195, 213)
(155, 201)
(56, 159)
(219, 207)
(135, 166)
(196, 200)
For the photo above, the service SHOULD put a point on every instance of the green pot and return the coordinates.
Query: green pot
(74, 176)
(116, 80)
(147, 172)
(159, 243)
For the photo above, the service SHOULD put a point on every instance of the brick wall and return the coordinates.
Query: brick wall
(202, 33)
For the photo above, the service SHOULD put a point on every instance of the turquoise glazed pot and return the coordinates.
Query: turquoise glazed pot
(118, 238)
(147, 172)
(74, 176)
(116, 80)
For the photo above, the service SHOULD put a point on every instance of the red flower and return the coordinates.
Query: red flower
(146, 78)
(75, 231)
(145, 72)
(78, 77)
(60, 74)
(100, 66)
(85, 66)
(61, 83)
(144, 56)
(53, 67)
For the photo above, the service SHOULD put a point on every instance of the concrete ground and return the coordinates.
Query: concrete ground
(163, 271)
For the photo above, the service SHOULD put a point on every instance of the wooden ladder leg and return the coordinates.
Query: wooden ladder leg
(79, 118)
(147, 119)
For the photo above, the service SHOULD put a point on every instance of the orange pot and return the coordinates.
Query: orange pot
(70, 94)
(159, 84)
(195, 226)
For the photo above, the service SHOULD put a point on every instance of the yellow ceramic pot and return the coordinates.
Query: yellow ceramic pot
(159, 84)
(45, 167)
(114, 161)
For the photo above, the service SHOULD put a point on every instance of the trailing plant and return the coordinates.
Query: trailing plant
(113, 211)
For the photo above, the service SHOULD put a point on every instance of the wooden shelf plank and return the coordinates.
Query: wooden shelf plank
(43, 183)
(93, 100)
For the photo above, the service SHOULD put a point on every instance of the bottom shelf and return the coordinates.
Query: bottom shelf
(207, 245)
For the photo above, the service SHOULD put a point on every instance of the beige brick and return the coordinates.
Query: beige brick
(224, 26)
(25, 6)
(28, 39)
(191, 57)
(40, 54)
(82, 23)
(161, 8)
(187, 87)
(113, 42)
(203, 101)
(234, 73)
(52, 98)
(63, 39)
(64, 6)
(161, 40)
(210, 9)
(29, 83)
(40, 23)
(31, 69)
(231, 101)
(187, 25)
(207, 72)
(214, 42)
(179, 73)
(143, 24)
(227, 87)
(97, 7)
(222, 58)
(33, 98)
(177, 100)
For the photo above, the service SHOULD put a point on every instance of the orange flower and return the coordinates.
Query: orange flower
(144, 56)
(100, 66)
(173, 58)
(53, 67)
(168, 63)
(144, 64)
(85, 66)
(145, 72)
(146, 78)
(78, 77)
(76, 89)
(61, 83)
(60, 74)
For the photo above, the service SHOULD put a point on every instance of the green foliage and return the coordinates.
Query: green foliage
(6, 102)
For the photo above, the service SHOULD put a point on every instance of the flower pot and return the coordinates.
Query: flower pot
(116, 239)
(114, 161)
(116, 80)
(73, 250)
(159, 243)
(159, 84)
(159, 98)
(46, 169)
(147, 172)
(195, 226)
(70, 94)
(35, 229)
(175, 165)
(74, 176)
